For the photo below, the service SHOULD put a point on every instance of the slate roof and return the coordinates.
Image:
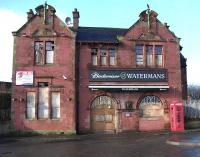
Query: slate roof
(99, 34)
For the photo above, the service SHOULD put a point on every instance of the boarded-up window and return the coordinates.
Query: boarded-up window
(55, 105)
(49, 52)
(39, 52)
(151, 106)
(104, 118)
(139, 54)
(31, 100)
(43, 108)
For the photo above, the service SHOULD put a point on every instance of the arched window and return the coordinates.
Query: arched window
(103, 102)
(151, 106)
(150, 100)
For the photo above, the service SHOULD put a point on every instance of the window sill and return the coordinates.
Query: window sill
(42, 119)
(55, 119)
(31, 119)
(46, 64)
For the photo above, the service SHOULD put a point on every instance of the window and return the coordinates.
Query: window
(151, 99)
(103, 57)
(94, 56)
(49, 52)
(139, 55)
(158, 55)
(103, 102)
(43, 106)
(44, 54)
(31, 101)
(149, 53)
(55, 100)
(128, 105)
(106, 56)
(39, 52)
(112, 56)
(151, 106)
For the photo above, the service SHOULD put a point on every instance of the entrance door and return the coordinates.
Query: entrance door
(103, 114)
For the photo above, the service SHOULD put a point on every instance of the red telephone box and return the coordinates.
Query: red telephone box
(177, 116)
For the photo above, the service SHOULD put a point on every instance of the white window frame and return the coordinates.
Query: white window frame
(149, 55)
(49, 54)
(159, 61)
(139, 55)
(103, 56)
(94, 57)
(112, 56)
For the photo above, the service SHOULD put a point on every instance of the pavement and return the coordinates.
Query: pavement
(186, 138)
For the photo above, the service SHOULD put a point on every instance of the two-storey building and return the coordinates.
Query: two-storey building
(128, 77)
(70, 79)
(44, 73)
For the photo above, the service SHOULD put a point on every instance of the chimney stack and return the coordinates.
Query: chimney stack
(30, 14)
(75, 19)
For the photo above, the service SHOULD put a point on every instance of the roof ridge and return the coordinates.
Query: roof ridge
(102, 27)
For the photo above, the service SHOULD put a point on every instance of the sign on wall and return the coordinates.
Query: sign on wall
(24, 77)
(158, 75)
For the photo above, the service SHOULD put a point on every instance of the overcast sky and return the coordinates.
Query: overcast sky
(182, 16)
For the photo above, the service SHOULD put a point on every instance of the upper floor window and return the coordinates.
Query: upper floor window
(159, 55)
(103, 57)
(94, 52)
(149, 55)
(139, 54)
(44, 52)
(112, 56)
(38, 52)
(49, 52)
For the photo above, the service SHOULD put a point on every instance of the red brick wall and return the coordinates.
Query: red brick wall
(64, 64)
(151, 125)
(126, 59)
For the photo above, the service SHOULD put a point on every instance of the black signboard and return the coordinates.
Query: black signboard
(135, 75)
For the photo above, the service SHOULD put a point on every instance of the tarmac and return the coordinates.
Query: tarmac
(185, 138)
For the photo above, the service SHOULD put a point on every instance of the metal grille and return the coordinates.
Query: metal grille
(149, 100)
(103, 102)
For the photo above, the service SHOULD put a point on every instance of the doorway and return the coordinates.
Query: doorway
(103, 114)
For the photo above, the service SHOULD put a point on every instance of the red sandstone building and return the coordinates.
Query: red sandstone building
(95, 79)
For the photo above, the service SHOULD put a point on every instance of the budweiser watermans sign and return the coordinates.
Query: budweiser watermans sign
(128, 75)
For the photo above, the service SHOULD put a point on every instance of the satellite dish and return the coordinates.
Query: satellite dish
(68, 20)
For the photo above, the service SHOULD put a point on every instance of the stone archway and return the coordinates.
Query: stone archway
(103, 114)
(151, 112)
